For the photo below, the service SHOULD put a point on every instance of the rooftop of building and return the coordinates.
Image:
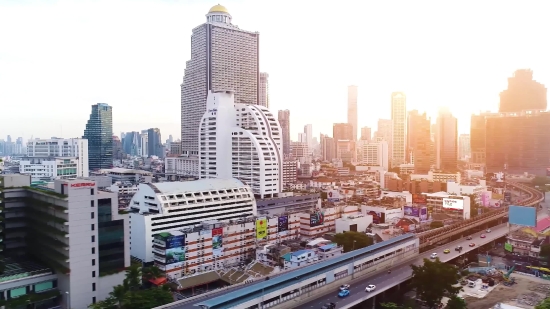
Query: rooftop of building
(522, 236)
(178, 187)
(120, 170)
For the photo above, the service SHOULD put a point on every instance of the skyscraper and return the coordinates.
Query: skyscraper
(399, 127)
(418, 142)
(308, 130)
(223, 57)
(99, 133)
(154, 144)
(523, 93)
(366, 134)
(342, 131)
(352, 109)
(446, 142)
(284, 121)
(328, 150)
(477, 138)
(264, 90)
(463, 146)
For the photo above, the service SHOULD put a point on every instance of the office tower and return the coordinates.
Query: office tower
(302, 138)
(375, 154)
(342, 131)
(264, 90)
(131, 143)
(45, 154)
(346, 150)
(154, 143)
(418, 142)
(383, 131)
(8, 148)
(399, 127)
(246, 144)
(284, 121)
(19, 148)
(308, 130)
(300, 151)
(328, 151)
(118, 153)
(463, 146)
(518, 141)
(144, 143)
(446, 141)
(366, 134)
(223, 57)
(99, 133)
(477, 138)
(66, 244)
(523, 93)
(352, 110)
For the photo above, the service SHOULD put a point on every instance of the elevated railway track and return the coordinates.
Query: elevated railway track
(431, 238)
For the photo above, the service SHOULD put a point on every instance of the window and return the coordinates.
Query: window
(93, 262)
(93, 300)
(93, 238)
(93, 287)
(92, 215)
(93, 227)
(93, 250)
(92, 203)
(91, 191)
(93, 274)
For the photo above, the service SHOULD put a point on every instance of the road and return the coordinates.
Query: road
(401, 273)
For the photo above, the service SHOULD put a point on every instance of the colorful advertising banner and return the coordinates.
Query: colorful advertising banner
(261, 228)
(485, 199)
(175, 250)
(411, 211)
(453, 203)
(508, 247)
(283, 224)
(522, 215)
(419, 198)
(333, 196)
(317, 218)
(217, 241)
(423, 214)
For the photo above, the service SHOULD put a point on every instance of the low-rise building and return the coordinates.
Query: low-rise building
(288, 202)
(300, 258)
(52, 168)
(181, 167)
(455, 206)
(523, 243)
(353, 223)
(119, 174)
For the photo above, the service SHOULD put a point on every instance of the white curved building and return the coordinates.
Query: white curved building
(242, 141)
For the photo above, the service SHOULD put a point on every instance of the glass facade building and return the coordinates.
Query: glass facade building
(99, 133)
(111, 239)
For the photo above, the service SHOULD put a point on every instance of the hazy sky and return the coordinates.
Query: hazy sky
(59, 57)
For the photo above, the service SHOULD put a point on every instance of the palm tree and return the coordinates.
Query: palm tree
(118, 294)
(152, 272)
(133, 277)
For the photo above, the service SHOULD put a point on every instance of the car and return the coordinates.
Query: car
(488, 230)
(469, 238)
(446, 251)
(458, 248)
(344, 287)
(370, 288)
(482, 236)
(343, 293)
(472, 245)
(433, 255)
(329, 306)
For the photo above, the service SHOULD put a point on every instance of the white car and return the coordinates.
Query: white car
(488, 230)
(433, 255)
(370, 288)
(344, 287)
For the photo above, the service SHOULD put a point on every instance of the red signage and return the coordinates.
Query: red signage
(83, 185)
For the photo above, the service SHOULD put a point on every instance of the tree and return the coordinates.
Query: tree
(352, 240)
(474, 206)
(433, 280)
(130, 295)
(436, 224)
(540, 181)
(545, 304)
(456, 302)
(393, 306)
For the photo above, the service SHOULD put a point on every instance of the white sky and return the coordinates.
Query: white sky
(57, 58)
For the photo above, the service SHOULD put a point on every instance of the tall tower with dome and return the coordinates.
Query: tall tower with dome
(223, 57)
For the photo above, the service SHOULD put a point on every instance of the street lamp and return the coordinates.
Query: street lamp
(68, 300)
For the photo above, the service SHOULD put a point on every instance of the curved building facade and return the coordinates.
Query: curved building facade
(241, 141)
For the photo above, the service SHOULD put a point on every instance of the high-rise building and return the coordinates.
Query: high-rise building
(154, 144)
(61, 148)
(131, 143)
(518, 142)
(223, 57)
(463, 146)
(366, 134)
(342, 131)
(383, 131)
(328, 150)
(264, 90)
(241, 141)
(446, 141)
(144, 144)
(99, 133)
(399, 127)
(477, 138)
(308, 130)
(523, 94)
(284, 121)
(352, 109)
(418, 142)
(118, 153)
(375, 154)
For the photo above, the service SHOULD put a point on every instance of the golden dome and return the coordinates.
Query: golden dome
(218, 9)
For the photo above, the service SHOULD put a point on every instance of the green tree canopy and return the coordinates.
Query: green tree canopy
(436, 224)
(130, 295)
(545, 304)
(456, 303)
(540, 181)
(347, 240)
(393, 306)
(433, 280)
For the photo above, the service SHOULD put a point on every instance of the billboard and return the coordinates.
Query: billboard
(419, 198)
(217, 241)
(377, 217)
(507, 196)
(450, 203)
(411, 211)
(261, 228)
(175, 250)
(317, 218)
(282, 224)
(423, 214)
(333, 196)
(485, 199)
(522, 215)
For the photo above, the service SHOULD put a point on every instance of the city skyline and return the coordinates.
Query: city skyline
(158, 88)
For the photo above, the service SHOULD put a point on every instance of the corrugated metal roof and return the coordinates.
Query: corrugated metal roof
(289, 278)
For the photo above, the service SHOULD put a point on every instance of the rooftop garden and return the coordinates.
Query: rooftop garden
(46, 191)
